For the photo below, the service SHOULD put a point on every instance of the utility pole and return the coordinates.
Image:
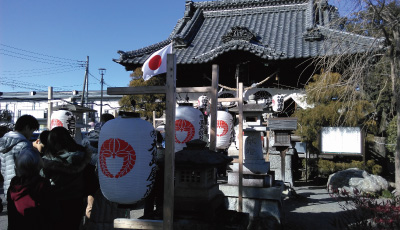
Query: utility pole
(102, 71)
(85, 83)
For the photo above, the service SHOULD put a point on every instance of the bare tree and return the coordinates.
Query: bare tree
(380, 19)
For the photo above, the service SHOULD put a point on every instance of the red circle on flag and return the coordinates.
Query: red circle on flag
(155, 62)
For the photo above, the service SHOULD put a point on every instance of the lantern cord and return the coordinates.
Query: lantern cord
(247, 88)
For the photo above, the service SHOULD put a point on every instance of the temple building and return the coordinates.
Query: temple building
(252, 40)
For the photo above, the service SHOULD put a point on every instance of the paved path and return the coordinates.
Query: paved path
(312, 208)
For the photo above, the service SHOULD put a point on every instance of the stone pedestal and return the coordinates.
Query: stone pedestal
(276, 165)
(255, 168)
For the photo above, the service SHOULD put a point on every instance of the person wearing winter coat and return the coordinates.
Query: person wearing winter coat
(64, 164)
(29, 202)
(91, 141)
(12, 143)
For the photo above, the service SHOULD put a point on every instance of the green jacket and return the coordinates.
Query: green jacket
(66, 174)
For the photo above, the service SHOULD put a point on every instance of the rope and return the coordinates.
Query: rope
(247, 88)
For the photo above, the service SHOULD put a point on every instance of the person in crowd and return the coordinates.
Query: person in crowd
(3, 130)
(100, 212)
(103, 119)
(29, 202)
(41, 142)
(91, 141)
(64, 164)
(12, 143)
(92, 138)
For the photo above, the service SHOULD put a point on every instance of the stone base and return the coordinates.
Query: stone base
(226, 219)
(260, 203)
(251, 180)
(198, 209)
(275, 161)
(259, 167)
(202, 193)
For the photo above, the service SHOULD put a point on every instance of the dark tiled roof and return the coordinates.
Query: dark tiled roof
(270, 29)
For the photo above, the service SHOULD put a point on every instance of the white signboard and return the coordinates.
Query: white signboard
(341, 140)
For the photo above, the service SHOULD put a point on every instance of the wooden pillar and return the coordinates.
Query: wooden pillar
(169, 169)
(240, 136)
(213, 109)
(283, 164)
(154, 119)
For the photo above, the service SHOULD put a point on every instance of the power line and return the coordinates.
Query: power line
(39, 53)
(36, 59)
(31, 86)
(99, 80)
(42, 70)
(36, 74)
(28, 59)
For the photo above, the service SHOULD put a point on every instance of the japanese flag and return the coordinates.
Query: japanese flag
(156, 63)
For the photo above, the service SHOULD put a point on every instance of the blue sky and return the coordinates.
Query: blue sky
(43, 42)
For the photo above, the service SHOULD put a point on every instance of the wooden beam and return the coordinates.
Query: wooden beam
(169, 164)
(228, 99)
(121, 223)
(205, 89)
(154, 90)
(213, 109)
(136, 90)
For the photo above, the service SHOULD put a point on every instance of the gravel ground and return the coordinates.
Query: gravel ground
(311, 207)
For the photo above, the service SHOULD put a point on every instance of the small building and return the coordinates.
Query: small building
(36, 104)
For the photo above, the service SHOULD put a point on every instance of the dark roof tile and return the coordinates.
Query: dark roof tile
(282, 29)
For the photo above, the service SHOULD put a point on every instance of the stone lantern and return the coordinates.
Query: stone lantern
(254, 165)
(197, 194)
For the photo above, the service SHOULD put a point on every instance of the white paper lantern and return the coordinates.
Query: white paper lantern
(127, 159)
(224, 129)
(63, 118)
(203, 102)
(277, 102)
(189, 125)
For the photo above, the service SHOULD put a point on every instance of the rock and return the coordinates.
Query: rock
(354, 178)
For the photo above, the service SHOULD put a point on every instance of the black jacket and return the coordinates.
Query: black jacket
(30, 204)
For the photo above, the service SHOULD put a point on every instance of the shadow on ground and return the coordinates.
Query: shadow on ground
(311, 207)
